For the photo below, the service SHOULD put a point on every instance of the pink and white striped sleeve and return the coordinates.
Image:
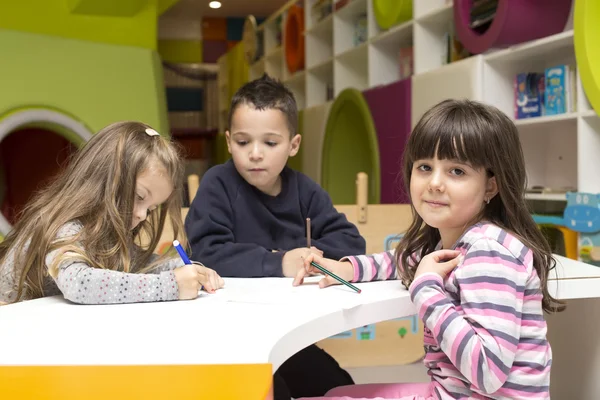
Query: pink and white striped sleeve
(374, 267)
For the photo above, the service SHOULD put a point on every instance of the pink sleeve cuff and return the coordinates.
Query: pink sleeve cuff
(354, 266)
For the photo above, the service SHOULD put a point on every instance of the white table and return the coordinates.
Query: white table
(227, 331)
(574, 280)
(251, 321)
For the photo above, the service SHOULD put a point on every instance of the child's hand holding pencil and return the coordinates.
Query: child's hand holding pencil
(335, 272)
(293, 260)
(343, 271)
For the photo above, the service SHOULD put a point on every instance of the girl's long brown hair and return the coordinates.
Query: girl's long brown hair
(97, 188)
(484, 137)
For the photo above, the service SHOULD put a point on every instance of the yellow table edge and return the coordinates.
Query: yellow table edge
(148, 382)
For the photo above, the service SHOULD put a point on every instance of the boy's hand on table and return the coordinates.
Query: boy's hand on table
(293, 260)
(344, 270)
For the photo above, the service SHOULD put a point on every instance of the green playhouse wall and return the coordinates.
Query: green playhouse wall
(124, 22)
(96, 83)
(95, 60)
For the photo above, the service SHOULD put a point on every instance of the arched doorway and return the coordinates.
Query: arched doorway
(34, 145)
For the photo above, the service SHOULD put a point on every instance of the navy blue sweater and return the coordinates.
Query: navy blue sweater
(234, 228)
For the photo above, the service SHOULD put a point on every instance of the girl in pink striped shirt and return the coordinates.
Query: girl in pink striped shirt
(475, 263)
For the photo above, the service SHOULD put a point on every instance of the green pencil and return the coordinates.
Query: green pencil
(334, 276)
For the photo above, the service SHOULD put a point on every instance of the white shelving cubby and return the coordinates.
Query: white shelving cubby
(344, 21)
(351, 69)
(430, 29)
(561, 151)
(319, 83)
(334, 58)
(319, 39)
(383, 53)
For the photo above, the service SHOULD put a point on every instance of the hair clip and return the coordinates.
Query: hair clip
(152, 132)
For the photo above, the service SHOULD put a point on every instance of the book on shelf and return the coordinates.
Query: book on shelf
(560, 95)
(551, 92)
(529, 95)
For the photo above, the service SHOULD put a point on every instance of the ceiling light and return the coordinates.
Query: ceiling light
(214, 4)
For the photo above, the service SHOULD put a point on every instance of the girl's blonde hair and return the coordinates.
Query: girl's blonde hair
(484, 137)
(97, 189)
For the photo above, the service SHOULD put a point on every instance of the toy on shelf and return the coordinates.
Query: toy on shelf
(581, 215)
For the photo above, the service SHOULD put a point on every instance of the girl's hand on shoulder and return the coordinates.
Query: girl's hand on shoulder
(440, 262)
(193, 277)
(344, 270)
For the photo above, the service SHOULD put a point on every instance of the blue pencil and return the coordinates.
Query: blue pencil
(181, 252)
(183, 255)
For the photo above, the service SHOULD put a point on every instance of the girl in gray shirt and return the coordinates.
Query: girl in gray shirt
(90, 234)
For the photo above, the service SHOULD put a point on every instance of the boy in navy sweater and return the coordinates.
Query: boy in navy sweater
(248, 218)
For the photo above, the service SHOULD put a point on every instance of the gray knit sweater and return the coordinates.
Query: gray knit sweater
(84, 284)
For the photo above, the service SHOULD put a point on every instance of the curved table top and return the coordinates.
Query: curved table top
(250, 321)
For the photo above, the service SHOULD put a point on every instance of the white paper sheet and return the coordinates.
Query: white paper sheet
(279, 291)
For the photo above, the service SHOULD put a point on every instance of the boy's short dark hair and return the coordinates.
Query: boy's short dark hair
(267, 93)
